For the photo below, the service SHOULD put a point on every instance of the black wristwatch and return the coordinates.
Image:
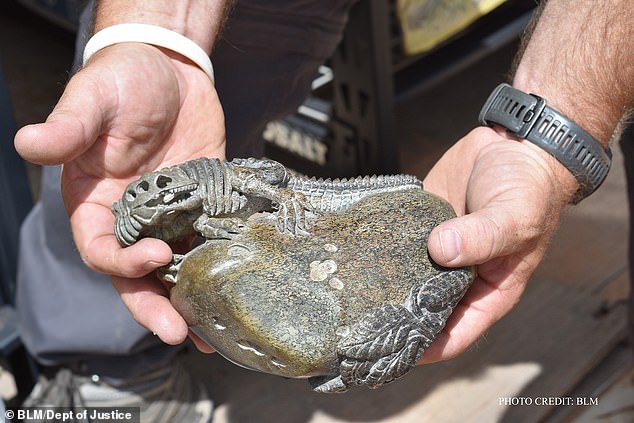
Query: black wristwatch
(527, 116)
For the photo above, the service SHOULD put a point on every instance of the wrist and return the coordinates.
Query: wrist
(199, 21)
(531, 117)
(153, 35)
(565, 185)
(592, 114)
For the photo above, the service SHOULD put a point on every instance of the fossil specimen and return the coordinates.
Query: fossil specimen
(320, 279)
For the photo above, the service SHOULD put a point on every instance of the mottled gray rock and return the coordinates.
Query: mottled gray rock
(328, 280)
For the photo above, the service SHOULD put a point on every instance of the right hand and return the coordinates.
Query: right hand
(133, 109)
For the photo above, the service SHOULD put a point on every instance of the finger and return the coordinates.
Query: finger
(200, 344)
(93, 232)
(455, 338)
(146, 299)
(71, 128)
(105, 255)
(483, 305)
(481, 236)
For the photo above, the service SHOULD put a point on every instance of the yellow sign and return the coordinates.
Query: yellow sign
(426, 23)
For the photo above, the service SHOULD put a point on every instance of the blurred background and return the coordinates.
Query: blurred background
(407, 82)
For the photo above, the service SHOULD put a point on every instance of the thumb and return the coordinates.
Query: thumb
(479, 237)
(71, 128)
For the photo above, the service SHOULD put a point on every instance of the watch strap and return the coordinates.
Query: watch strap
(528, 116)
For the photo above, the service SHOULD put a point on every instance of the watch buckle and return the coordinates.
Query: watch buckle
(531, 116)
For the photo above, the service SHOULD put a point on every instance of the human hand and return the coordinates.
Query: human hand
(134, 108)
(509, 196)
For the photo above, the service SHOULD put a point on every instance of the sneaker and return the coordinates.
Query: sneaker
(165, 395)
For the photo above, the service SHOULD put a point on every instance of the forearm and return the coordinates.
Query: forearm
(580, 59)
(198, 20)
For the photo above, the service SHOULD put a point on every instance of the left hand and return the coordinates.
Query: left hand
(509, 196)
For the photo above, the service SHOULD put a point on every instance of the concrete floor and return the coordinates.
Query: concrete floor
(36, 57)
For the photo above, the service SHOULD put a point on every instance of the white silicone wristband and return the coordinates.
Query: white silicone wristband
(149, 34)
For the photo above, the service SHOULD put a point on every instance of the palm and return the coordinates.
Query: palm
(132, 110)
(156, 114)
(510, 208)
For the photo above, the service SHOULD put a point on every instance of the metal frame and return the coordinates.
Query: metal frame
(369, 79)
(363, 94)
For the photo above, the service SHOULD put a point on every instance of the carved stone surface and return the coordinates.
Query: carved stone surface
(329, 280)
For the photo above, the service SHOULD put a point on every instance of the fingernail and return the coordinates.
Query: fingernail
(450, 244)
